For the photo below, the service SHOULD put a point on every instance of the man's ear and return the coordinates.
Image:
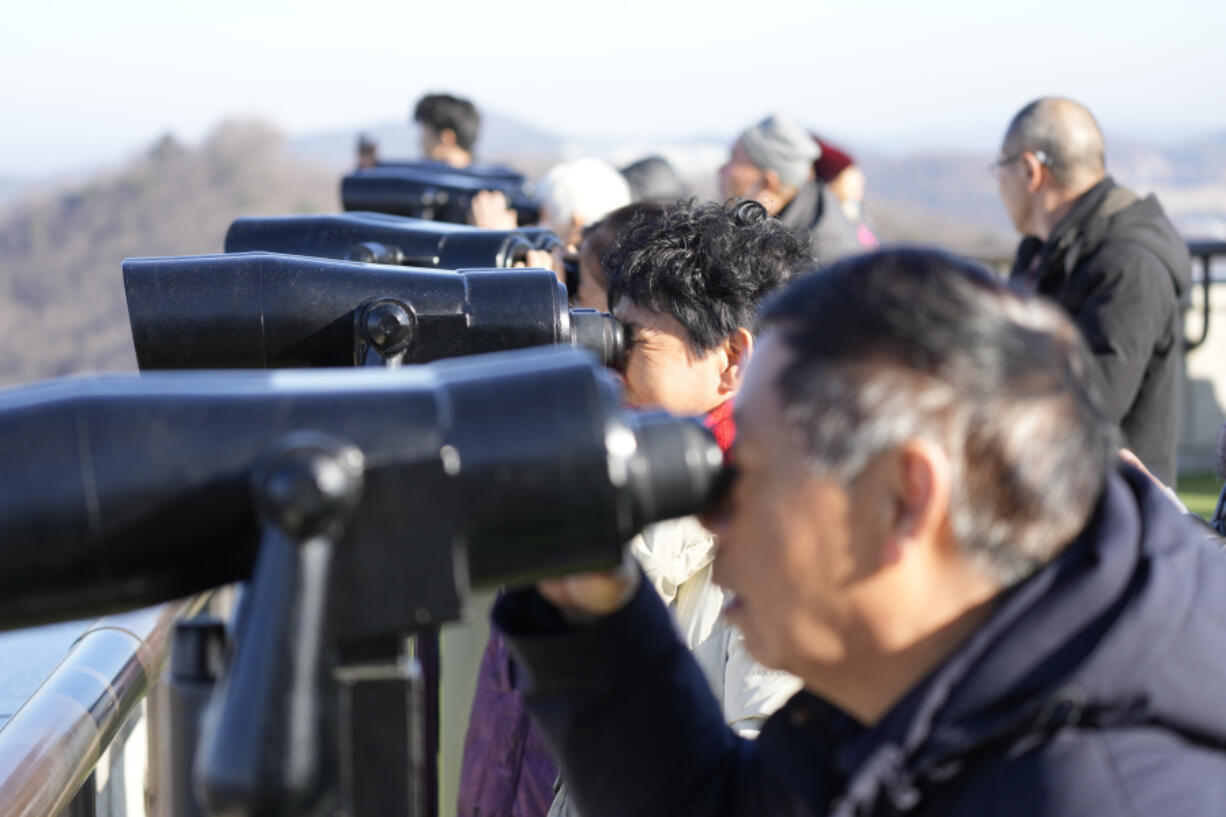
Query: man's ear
(737, 350)
(447, 137)
(921, 485)
(1036, 171)
(772, 182)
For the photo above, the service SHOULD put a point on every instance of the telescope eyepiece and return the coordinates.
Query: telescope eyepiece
(675, 469)
(600, 332)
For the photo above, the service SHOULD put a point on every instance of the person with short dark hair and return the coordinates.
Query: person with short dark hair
(928, 525)
(772, 163)
(1111, 259)
(449, 127)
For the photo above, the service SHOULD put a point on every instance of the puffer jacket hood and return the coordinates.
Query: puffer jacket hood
(1103, 637)
(1143, 222)
(1109, 213)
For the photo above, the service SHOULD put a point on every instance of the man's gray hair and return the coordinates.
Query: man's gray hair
(906, 344)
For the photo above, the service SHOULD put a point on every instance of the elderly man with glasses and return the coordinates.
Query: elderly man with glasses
(1111, 259)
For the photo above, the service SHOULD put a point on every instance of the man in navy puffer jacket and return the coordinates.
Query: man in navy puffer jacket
(929, 527)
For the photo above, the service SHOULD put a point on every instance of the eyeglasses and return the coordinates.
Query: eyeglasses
(1040, 155)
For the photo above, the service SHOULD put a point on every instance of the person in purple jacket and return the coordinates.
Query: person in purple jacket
(507, 771)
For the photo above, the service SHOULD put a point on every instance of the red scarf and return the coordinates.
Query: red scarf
(719, 420)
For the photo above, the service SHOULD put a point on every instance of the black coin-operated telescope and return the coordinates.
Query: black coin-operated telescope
(259, 310)
(362, 505)
(266, 310)
(386, 239)
(433, 190)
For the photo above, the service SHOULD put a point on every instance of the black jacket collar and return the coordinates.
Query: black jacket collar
(1037, 260)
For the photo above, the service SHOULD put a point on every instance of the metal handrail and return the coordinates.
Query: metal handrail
(1206, 250)
(52, 743)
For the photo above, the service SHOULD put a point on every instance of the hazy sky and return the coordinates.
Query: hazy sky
(90, 82)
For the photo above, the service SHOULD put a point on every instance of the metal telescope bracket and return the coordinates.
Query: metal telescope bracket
(308, 720)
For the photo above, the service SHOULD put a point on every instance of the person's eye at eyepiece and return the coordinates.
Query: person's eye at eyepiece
(630, 339)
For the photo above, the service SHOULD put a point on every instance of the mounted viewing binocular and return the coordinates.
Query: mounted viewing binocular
(434, 191)
(265, 310)
(387, 239)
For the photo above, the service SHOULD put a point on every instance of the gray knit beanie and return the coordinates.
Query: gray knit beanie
(780, 145)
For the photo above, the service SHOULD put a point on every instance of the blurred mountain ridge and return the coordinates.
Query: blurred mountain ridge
(60, 251)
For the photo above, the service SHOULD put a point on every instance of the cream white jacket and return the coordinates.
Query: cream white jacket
(677, 556)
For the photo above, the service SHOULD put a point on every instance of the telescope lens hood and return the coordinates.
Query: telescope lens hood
(676, 466)
(600, 332)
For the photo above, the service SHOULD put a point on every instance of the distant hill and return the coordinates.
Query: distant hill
(953, 186)
(901, 222)
(11, 187)
(60, 280)
(1189, 179)
(1188, 164)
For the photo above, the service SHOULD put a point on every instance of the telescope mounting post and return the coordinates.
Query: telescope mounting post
(266, 748)
(390, 688)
